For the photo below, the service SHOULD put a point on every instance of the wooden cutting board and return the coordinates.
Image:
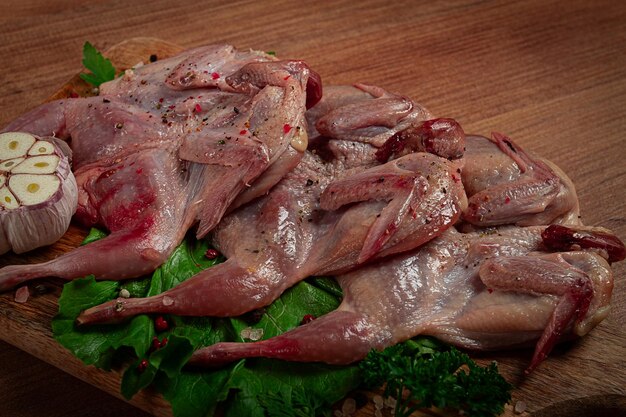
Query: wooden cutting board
(586, 374)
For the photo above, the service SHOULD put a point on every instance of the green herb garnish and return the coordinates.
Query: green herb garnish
(251, 387)
(101, 68)
(420, 374)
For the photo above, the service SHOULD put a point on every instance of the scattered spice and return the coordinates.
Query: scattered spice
(286, 128)
(153, 58)
(124, 293)
(307, 318)
(160, 324)
(41, 289)
(215, 75)
(197, 108)
(143, 365)
(158, 344)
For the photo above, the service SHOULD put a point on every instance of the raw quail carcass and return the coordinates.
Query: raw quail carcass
(482, 290)
(337, 209)
(166, 146)
(506, 185)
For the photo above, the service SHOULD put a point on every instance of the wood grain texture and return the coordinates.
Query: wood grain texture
(551, 74)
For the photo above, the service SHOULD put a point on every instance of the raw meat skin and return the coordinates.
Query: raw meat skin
(505, 185)
(137, 160)
(195, 137)
(479, 290)
(336, 210)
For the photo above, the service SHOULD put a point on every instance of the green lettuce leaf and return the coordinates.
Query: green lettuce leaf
(246, 388)
(97, 345)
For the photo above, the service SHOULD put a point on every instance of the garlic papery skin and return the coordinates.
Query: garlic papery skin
(38, 192)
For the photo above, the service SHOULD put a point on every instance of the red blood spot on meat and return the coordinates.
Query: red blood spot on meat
(393, 145)
(313, 89)
(286, 128)
(559, 237)
(215, 75)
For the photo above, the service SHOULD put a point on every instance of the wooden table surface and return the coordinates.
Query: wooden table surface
(551, 74)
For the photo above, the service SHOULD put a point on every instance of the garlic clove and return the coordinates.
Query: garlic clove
(9, 165)
(41, 147)
(7, 199)
(14, 144)
(31, 189)
(46, 164)
(38, 192)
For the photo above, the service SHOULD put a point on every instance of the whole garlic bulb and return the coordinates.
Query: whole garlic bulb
(38, 192)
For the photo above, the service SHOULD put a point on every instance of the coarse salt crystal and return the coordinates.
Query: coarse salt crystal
(251, 334)
(520, 407)
(22, 294)
(349, 406)
(390, 402)
(256, 334)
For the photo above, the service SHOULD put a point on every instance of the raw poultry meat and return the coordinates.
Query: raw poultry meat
(169, 144)
(337, 209)
(505, 185)
(214, 132)
(481, 290)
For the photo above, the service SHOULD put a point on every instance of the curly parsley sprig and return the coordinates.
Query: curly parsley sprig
(420, 375)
